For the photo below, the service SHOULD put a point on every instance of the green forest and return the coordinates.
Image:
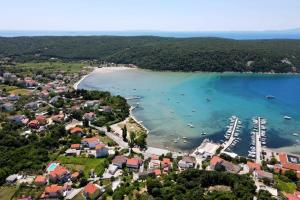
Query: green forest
(161, 53)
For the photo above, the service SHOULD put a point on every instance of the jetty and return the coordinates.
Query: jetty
(258, 142)
(232, 133)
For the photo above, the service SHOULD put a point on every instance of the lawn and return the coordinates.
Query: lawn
(8, 88)
(6, 193)
(51, 67)
(283, 186)
(84, 164)
(20, 91)
(79, 196)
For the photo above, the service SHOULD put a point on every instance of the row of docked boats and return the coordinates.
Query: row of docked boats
(233, 131)
(259, 130)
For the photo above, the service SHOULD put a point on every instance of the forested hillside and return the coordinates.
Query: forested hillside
(158, 53)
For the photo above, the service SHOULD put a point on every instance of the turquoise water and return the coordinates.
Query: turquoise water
(171, 100)
(51, 167)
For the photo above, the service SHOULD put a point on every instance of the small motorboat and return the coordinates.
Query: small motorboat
(287, 117)
(270, 97)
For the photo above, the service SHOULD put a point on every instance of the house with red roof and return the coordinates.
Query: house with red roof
(60, 175)
(34, 124)
(75, 176)
(40, 180)
(260, 174)
(166, 164)
(53, 192)
(58, 118)
(133, 163)
(75, 146)
(253, 166)
(90, 142)
(101, 151)
(41, 119)
(288, 162)
(90, 116)
(76, 131)
(91, 191)
(229, 167)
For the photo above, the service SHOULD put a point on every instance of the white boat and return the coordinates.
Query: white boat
(287, 117)
(191, 125)
(295, 134)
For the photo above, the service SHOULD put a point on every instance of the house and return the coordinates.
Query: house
(54, 100)
(58, 118)
(76, 131)
(112, 169)
(19, 119)
(90, 142)
(253, 166)
(106, 109)
(12, 178)
(75, 176)
(166, 164)
(289, 162)
(32, 105)
(44, 94)
(89, 116)
(260, 174)
(75, 146)
(53, 192)
(101, 151)
(71, 152)
(154, 164)
(133, 163)
(7, 107)
(41, 119)
(40, 180)
(157, 172)
(91, 191)
(13, 97)
(60, 174)
(187, 162)
(119, 161)
(230, 167)
(29, 83)
(33, 124)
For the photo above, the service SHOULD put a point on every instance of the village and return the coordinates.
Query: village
(101, 146)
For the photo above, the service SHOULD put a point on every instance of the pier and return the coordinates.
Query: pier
(258, 142)
(232, 138)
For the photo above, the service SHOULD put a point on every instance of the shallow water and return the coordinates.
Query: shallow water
(171, 100)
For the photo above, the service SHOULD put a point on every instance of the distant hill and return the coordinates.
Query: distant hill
(162, 53)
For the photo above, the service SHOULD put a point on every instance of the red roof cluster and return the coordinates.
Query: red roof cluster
(53, 188)
(58, 171)
(90, 188)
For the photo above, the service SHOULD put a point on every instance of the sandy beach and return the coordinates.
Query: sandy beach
(102, 70)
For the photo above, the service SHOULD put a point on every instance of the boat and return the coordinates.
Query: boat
(184, 137)
(191, 125)
(295, 134)
(287, 117)
(270, 97)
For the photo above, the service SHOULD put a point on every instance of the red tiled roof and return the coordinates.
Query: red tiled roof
(253, 165)
(76, 130)
(58, 171)
(93, 139)
(40, 179)
(33, 122)
(75, 146)
(283, 158)
(90, 188)
(53, 188)
(157, 172)
(215, 160)
(292, 196)
(75, 174)
(99, 146)
(119, 160)
(132, 161)
(292, 166)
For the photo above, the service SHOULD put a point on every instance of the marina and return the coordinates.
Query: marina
(232, 134)
(258, 138)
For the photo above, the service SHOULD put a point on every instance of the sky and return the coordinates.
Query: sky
(151, 15)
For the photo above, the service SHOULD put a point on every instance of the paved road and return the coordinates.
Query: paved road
(112, 136)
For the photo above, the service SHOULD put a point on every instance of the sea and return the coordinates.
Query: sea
(168, 101)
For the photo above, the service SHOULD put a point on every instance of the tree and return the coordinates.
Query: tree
(220, 168)
(291, 174)
(124, 133)
(264, 195)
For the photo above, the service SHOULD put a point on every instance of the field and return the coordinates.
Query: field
(51, 67)
(84, 164)
(6, 193)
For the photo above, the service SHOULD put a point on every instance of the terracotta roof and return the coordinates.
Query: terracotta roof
(90, 188)
(253, 165)
(292, 166)
(132, 161)
(75, 174)
(58, 171)
(93, 139)
(215, 160)
(157, 172)
(76, 130)
(75, 146)
(53, 189)
(99, 146)
(283, 158)
(292, 196)
(265, 174)
(154, 157)
(33, 122)
(40, 179)
(40, 118)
